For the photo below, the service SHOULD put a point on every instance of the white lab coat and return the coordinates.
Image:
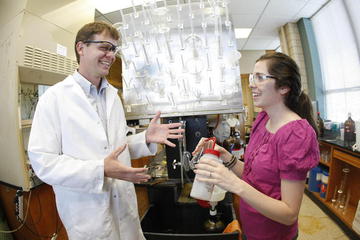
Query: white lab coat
(67, 147)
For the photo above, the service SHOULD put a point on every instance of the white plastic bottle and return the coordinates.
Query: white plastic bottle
(205, 191)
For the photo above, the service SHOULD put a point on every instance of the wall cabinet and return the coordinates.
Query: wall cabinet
(343, 165)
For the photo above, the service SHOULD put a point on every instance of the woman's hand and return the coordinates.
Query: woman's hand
(217, 173)
(204, 143)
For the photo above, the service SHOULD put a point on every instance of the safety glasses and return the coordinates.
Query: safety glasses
(105, 46)
(258, 78)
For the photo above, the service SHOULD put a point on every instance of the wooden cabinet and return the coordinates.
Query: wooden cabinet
(336, 158)
(115, 73)
(42, 220)
(141, 190)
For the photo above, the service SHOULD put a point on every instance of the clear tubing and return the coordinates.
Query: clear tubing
(227, 21)
(137, 92)
(157, 43)
(222, 68)
(184, 85)
(191, 23)
(210, 86)
(180, 24)
(218, 32)
(178, 10)
(147, 37)
(178, 5)
(171, 99)
(181, 38)
(219, 23)
(203, 23)
(125, 82)
(146, 19)
(145, 54)
(124, 37)
(135, 50)
(168, 49)
(230, 43)
(190, 8)
(191, 16)
(219, 47)
(148, 13)
(183, 63)
(228, 24)
(171, 76)
(132, 23)
(148, 101)
(208, 62)
(136, 14)
(134, 66)
(205, 36)
(125, 25)
(126, 63)
(201, 4)
(158, 64)
(168, 16)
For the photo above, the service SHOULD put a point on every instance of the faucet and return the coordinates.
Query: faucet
(182, 148)
(185, 156)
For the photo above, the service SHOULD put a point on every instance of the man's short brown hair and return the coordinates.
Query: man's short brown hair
(89, 30)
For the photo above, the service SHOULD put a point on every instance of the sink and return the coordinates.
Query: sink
(169, 218)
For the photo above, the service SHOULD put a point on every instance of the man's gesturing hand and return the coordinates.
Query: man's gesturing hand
(115, 169)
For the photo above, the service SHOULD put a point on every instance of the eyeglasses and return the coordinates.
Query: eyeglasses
(258, 78)
(105, 46)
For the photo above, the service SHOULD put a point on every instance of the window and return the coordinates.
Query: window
(335, 27)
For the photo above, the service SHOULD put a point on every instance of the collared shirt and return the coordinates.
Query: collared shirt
(96, 97)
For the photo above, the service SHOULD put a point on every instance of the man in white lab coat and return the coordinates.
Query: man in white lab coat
(78, 145)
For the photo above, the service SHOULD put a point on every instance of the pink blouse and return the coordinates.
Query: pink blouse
(287, 154)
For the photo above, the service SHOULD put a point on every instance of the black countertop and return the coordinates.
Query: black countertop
(339, 143)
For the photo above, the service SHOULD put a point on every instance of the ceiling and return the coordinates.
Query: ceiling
(263, 16)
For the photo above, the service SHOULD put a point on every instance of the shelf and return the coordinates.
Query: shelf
(349, 215)
(317, 195)
(325, 163)
(26, 123)
(348, 158)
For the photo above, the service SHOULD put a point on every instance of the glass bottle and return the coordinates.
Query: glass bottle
(320, 125)
(229, 142)
(349, 131)
(240, 126)
(238, 148)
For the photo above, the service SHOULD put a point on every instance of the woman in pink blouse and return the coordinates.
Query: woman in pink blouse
(283, 147)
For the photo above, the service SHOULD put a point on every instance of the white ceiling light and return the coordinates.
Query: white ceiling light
(242, 32)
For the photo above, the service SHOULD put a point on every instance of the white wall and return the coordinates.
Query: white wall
(247, 60)
(41, 23)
